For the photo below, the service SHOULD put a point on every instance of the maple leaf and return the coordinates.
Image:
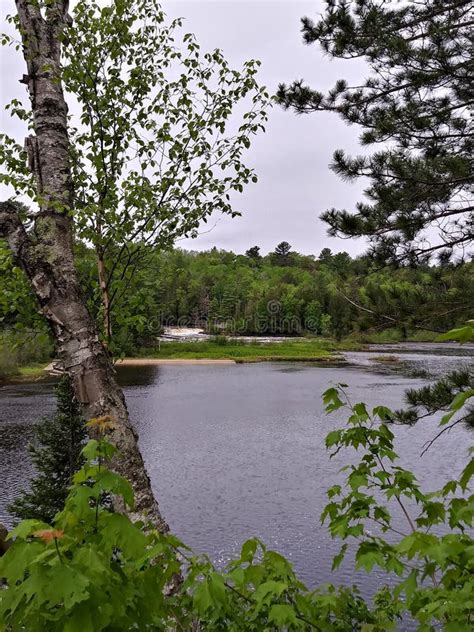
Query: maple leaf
(103, 423)
(48, 535)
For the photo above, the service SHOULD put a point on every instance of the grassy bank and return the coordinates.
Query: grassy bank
(23, 355)
(32, 370)
(393, 335)
(27, 361)
(19, 368)
(25, 373)
(291, 351)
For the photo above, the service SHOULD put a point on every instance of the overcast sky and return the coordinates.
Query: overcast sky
(292, 157)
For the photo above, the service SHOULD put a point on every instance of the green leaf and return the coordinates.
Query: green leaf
(384, 413)
(457, 403)
(109, 481)
(467, 474)
(461, 334)
(332, 400)
(202, 598)
(360, 410)
(368, 554)
(248, 550)
(332, 438)
(283, 616)
(81, 620)
(268, 591)
(335, 490)
(26, 528)
(65, 587)
(338, 559)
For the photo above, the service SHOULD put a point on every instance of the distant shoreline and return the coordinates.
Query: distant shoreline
(244, 360)
(153, 361)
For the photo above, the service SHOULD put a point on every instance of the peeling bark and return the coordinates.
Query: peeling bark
(46, 253)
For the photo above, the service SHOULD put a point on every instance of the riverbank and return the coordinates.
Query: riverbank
(156, 361)
(234, 350)
(27, 373)
(393, 336)
(221, 351)
(23, 355)
(216, 351)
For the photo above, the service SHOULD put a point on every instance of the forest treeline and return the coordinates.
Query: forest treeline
(281, 293)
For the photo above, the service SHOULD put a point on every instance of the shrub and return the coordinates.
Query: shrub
(56, 455)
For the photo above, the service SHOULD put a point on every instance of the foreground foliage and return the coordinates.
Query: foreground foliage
(432, 552)
(94, 569)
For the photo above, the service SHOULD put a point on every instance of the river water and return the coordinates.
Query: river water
(236, 451)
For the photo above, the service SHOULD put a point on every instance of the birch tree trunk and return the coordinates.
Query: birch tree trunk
(46, 252)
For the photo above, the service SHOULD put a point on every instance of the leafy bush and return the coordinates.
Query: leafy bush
(94, 569)
(436, 572)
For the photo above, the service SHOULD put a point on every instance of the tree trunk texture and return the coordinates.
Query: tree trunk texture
(46, 252)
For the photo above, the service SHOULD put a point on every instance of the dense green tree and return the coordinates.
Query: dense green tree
(17, 304)
(283, 249)
(312, 317)
(231, 293)
(253, 253)
(417, 104)
(56, 455)
(325, 255)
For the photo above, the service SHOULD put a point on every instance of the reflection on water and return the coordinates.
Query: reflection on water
(130, 376)
(236, 451)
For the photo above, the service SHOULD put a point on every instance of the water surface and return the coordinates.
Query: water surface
(236, 451)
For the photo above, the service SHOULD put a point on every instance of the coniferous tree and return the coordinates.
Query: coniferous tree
(56, 455)
(417, 102)
(283, 249)
(253, 253)
(282, 254)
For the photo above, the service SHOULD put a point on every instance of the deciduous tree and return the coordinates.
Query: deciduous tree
(43, 243)
(155, 143)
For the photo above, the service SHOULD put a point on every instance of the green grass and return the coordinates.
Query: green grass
(23, 354)
(24, 373)
(32, 370)
(291, 351)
